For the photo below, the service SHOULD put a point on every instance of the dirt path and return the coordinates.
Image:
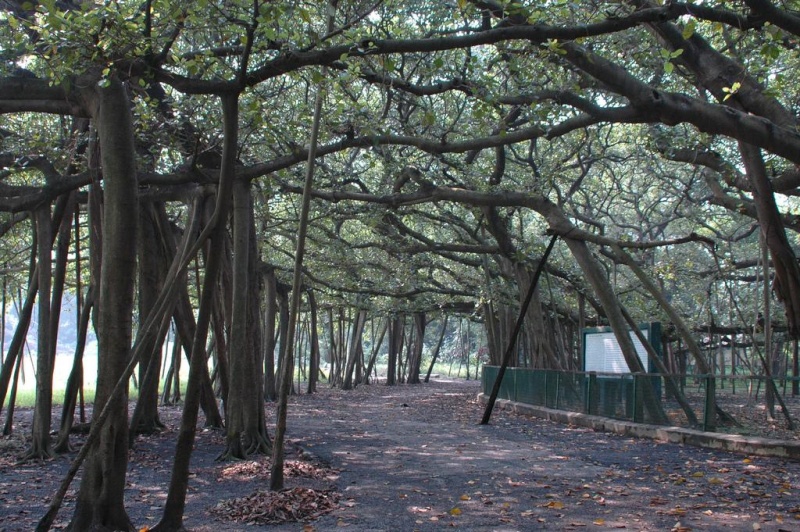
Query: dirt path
(413, 458)
(428, 465)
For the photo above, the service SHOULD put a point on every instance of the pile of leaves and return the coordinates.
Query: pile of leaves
(275, 507)
(291, 468)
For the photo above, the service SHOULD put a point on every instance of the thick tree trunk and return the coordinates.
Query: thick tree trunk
(240, 370)
(100, 501)
(256, 436)
(245, 426)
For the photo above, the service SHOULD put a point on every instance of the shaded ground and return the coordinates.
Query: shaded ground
(414, 458)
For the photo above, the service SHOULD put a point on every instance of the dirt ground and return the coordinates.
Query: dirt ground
(414, 458)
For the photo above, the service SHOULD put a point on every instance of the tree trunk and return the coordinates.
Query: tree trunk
(283, 331)
(244, 399)
(100, 501)
(313, 365)
(17, 343)
(172, 519)
(75, 379)
(240, 372)
(287, 352)
(396, 331)
(492, 326)
(353, 348)
(438, 348)
(608, 300)
(152, 270)
(415, 353)
(41, 446)
(787, 271)
(376, 346)
(256, 436)
(270, 315)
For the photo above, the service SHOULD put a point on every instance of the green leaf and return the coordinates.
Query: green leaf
(689, 29)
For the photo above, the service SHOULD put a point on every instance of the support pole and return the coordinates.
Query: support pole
(487, 414)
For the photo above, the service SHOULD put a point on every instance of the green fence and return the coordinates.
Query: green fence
(619, 396)
(553, 389)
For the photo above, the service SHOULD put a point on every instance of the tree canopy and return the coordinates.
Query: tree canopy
(659, 141)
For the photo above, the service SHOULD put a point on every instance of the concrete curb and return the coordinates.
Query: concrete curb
(711, 440)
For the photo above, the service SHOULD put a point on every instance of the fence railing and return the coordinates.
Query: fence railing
(619, 396)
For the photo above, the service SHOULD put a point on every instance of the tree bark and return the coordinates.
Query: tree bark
(314, 359)
(152, 270)
(787, 271)
(395, 346)
(353, 348)
(271, 314)
(245, 425)
(41, 446)
(376, 346)
(605, 294)
(438, 347)
(172, 519)
(100, 501)
(415, 353)
(256, 435)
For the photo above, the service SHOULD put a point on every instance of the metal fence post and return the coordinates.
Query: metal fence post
(637, 399)
(546, 387)
(592, 394)
(710, 408)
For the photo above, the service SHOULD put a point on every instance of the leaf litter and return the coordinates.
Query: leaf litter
(266, 507)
